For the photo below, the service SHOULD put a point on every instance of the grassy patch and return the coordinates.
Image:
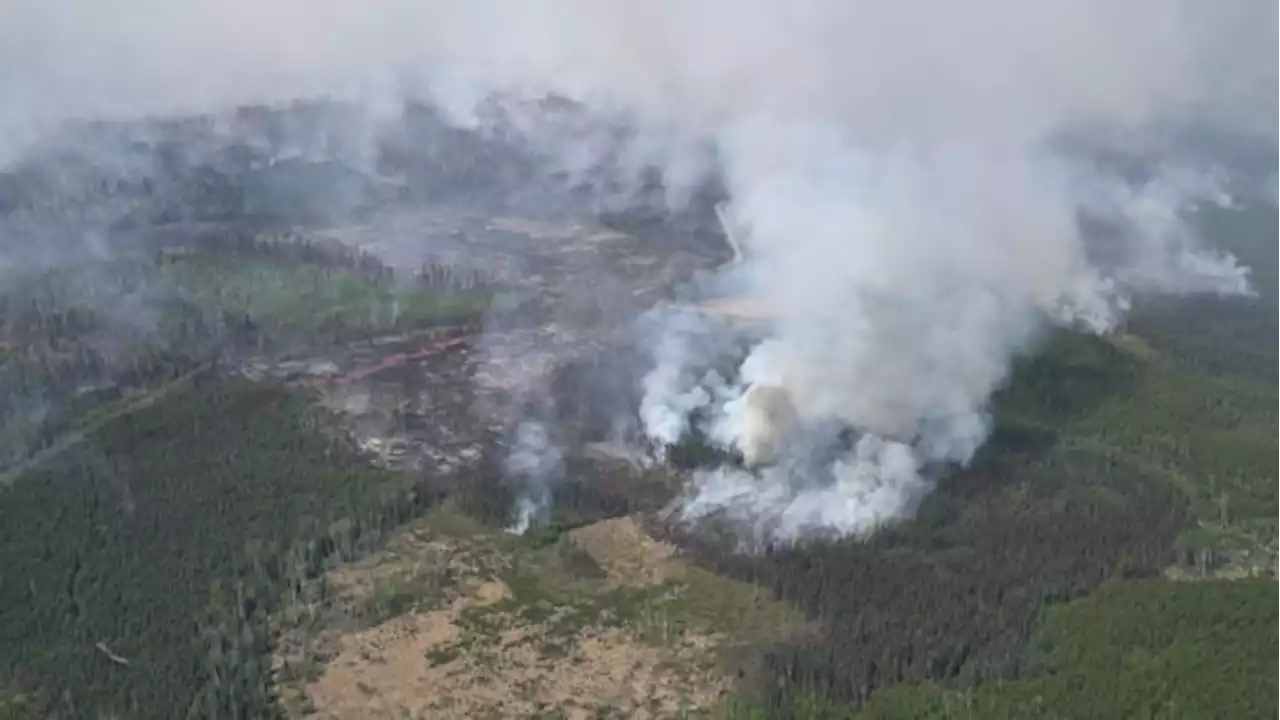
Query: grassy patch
(447, 521)
(444, 654)
(551, 604)
(280, 294)
(14, 704)
(398, 595)
(744, 611)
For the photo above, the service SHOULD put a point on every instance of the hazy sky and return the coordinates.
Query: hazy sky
(909, 220)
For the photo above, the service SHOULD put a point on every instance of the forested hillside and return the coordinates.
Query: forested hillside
(1109, 553)
(141, 564)
(1137, 649)
(153, 510)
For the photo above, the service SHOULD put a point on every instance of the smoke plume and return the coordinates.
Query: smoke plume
(913, 219)
(534, 462)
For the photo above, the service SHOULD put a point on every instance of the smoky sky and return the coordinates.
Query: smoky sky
(993, 65)
(912, 218)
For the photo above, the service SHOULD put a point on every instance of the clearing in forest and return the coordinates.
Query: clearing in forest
(452, 620)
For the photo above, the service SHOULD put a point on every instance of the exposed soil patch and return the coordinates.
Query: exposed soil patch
(436, 403)
(627, 554)
(427, 666)
(486, 626)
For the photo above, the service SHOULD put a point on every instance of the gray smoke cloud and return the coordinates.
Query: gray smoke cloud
(534, 461)
(911, 220)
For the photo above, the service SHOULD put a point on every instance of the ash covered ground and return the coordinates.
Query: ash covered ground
(570, 261)
(562, 345)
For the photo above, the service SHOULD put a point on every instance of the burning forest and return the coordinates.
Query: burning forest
(611, 333)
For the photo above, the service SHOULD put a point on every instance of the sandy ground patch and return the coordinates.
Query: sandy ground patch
(480, 649)
(627, 554)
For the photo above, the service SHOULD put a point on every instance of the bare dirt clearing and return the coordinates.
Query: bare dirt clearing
(452, 620)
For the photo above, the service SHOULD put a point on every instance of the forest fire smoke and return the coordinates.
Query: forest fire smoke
(912, 220)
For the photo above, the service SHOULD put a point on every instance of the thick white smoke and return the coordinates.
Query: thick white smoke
(911, 224)
(903, 281)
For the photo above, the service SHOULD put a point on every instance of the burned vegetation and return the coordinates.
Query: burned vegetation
(83, 337)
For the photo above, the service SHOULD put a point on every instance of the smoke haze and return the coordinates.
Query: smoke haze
(913, 219)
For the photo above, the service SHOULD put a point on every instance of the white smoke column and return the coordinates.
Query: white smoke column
(535, 462)
(946, 264)
(876, 482)
(684, 346)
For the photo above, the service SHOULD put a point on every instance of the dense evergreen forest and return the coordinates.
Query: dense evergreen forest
(141, 565)
(1138, 649)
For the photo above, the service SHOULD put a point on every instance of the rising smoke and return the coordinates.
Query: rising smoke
(913, 221)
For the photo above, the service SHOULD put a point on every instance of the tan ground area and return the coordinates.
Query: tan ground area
(466, 623)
